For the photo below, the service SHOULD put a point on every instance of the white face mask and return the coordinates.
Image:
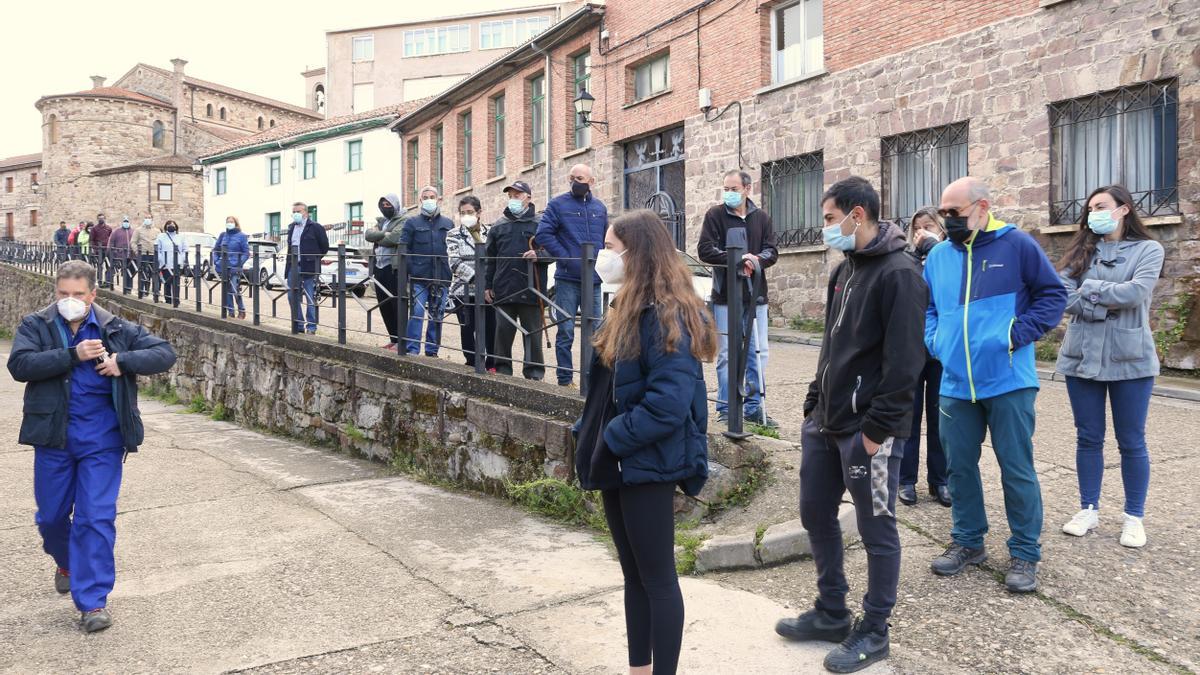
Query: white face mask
(610, 265)
(468, 221)
(72, 309)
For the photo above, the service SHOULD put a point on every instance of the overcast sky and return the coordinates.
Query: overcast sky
(256, 45)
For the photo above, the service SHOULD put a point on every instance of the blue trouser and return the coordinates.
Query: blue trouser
(427, 299)
(307, 285)
(756, 365)
(567, 295)
(926, 399)
(234, 294)
(1010, 418)
(86, 485)
(1130, 404)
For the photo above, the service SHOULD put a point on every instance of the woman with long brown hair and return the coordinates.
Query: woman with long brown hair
(645, 424)
(1110, 269)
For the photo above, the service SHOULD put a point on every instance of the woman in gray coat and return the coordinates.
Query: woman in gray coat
(1109, 270)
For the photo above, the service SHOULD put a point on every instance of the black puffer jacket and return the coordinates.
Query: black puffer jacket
(874, 348)
(507, 274)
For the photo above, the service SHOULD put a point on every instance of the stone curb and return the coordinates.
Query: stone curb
(781, 543)
(1046, 374)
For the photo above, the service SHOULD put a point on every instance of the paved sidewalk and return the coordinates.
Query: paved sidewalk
(239, 551)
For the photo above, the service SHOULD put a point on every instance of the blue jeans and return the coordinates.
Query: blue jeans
(307, 286)
(1010, 418)
(567, 295)
(758, 341)
(1130, 403)
(76, 515)
(926, 399)
(427, 298)
(235, 295)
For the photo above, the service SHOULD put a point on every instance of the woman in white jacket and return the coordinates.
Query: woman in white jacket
(170, 250)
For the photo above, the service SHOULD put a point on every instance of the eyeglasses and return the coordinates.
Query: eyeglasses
(956, 212)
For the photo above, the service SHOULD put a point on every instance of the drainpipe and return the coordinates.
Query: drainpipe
(549, 139)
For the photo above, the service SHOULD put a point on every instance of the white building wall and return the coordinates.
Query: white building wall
(250, 197)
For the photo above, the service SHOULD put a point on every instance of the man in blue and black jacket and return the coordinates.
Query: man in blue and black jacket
(993, 293)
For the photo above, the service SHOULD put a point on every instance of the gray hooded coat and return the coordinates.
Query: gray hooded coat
(386, 233)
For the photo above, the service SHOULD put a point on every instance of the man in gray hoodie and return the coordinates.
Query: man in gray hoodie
(386, 238)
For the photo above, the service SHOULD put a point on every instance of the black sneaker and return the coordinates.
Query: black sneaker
(1022, 576)
(62, 581)
(761, 419)
(95, 620)
(956, 558)
(863, 647)
(815, 624)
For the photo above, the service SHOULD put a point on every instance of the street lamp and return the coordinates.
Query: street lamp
(35, 186)
(583, 107)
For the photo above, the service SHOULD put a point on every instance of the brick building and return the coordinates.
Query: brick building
(20, 199)
(1045, 100)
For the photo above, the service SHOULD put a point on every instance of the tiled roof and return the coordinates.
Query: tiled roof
(114, 92)
(20, 160)
(187, 79)
(224, 133)
(162, 162)
(286, 131)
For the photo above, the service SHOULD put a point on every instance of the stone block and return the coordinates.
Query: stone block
(424, 399)
(784, 542)
(721, 481)
(558, 439)
(488, 418)
(525, 428)
(370, 382)
(729, 552)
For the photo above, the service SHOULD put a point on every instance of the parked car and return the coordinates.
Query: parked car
(206, 242)
(702, 281)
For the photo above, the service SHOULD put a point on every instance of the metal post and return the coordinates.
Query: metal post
(588, 279)
(735, 248)
(480, 309)
(198, 280)
(341, 293)
(255, 286)
(176, 271)
(401, 299)
(225, 280)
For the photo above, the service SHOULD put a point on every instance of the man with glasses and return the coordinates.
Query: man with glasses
(993, 293)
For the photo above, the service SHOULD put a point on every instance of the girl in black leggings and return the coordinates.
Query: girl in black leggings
(650, 435)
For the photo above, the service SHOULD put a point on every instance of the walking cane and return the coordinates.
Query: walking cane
(541, 303)
(749, 314)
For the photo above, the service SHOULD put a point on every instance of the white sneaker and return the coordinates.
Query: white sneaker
(1133, 534)
(1083, 521)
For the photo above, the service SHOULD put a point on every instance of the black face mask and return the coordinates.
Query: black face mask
(580, 189)
(957, 229)
(387, 210)
(171, 229)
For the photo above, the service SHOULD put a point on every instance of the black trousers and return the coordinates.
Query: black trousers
(466, 330)
(830, 465)
(530, 318)
(148, 278)
(388, 306)
(170, 285)
(642, 521)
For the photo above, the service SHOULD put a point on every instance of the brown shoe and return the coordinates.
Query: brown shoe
(242, 314)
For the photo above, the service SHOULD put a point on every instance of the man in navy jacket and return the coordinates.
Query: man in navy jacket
(80, 365)
(571, 220)
(306, 241)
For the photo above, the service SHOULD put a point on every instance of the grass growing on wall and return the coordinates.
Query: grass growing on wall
(805, 325)
(6, 333)
(561, 501)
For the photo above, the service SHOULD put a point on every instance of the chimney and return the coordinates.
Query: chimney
(97, 81)
(179, 64)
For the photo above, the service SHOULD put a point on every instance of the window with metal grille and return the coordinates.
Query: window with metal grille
(498, 135)
(583, 77)
(917, 167)
(537, 102)
(413, 148)
(1127, 136)
(439, 156)
(465, 148)
(792, 190)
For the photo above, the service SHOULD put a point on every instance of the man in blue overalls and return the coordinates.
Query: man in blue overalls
(80, 365)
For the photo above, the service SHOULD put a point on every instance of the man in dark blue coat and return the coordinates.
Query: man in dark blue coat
(571, 220)
(428, 270)
(306, 244)
(80, 365)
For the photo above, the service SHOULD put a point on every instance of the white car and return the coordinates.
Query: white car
(702, 281)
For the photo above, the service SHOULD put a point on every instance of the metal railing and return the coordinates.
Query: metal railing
(285, 287)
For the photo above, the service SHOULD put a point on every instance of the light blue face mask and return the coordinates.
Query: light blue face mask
(732, 198)
(1101, 222)
(297, 218)
(836, 240)
(516, 207)
(230, 226)
(429, 206)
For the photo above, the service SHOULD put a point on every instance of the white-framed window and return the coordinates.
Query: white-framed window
(164, 192)
(219, 179)
(652, 77)
(509, 33)
(363, 97)
(363, 48)
(439, 40)
(308, 163)
(274, 166)
(354, 155)
(797, 40)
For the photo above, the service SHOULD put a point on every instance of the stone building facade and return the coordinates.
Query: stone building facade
(811, 91)
(21, 214)
(129, 148)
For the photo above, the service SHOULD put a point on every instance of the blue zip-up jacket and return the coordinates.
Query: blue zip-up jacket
(990, 300)
(237, 244)
(567, 224)
(425, 237)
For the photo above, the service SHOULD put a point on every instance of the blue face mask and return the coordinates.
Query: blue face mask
(125, 224)
(297, 218)
(836, 240)
(1101, 222)
(732, 199)
(516, 207)
(429, 206)
(230, 227)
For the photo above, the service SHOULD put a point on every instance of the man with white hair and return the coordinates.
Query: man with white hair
(993, 293)
(428, 270)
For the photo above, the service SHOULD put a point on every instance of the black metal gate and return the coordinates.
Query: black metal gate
(664, 205)
(654, 178)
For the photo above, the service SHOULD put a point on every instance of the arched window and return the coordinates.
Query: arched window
(208, 110)
(53, 129)
(222, 112)
(319, 98)
(272, 124)
(158, 134)
(260, 122)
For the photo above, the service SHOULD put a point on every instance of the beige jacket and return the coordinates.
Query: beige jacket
(144, 239)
